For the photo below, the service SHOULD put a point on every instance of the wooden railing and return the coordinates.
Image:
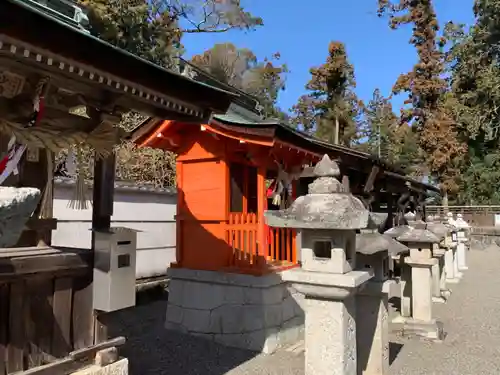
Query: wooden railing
(241, 235)
(282, 245)
(45, 306)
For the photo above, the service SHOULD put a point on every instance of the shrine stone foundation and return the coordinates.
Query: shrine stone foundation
(261, 313)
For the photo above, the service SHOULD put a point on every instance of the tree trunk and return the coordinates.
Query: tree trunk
(337, 131)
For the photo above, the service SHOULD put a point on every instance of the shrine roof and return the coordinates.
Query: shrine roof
(298, 138)
(28, 24)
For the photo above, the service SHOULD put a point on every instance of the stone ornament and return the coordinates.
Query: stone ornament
(16, 206)
(328, 217)
(395, 232)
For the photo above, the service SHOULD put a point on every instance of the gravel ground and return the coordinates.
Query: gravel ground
(471, 321)
(470, 317)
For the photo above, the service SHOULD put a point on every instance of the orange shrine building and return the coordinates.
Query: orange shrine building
(228, 173)
(225, 284)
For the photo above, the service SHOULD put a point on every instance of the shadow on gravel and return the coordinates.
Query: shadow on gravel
(395, 303)
(394, 349)
(153, 350)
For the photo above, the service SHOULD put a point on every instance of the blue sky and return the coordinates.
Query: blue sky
(301, 31)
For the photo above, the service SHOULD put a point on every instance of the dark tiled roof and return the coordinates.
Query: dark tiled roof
(23, 22)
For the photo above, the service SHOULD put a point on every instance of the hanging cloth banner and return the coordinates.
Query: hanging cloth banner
(9, 162)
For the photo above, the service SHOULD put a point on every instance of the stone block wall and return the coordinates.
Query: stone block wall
(256, 313)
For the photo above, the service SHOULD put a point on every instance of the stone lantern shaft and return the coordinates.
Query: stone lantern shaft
(327, 217)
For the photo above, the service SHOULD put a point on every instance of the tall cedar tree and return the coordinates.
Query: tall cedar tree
(331, 108)
(383, 136)
(240, 68)
(379, 127)
(434, 125)
(153, 29)
(474, 61)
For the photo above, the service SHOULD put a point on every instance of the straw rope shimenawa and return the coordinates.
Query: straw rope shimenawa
(102, 140)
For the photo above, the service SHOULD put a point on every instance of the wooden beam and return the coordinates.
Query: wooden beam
(369, 185)
(53, 261)
(75, 360)
(19, 111)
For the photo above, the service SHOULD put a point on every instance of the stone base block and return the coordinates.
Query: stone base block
(117, 368)
(437, 299)
(446, 293)
(16, 206)
(432, 330)
(256, 313)
(453, 281)
(398, 320)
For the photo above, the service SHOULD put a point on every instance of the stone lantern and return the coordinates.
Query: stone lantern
(454, 275)
(372, 326)
(404, 272)
(16, 206)
(420, 241)
(439, 290)
(463, 228)
(328, 217)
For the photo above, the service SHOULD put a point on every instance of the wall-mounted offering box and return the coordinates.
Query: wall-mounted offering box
(114, 269)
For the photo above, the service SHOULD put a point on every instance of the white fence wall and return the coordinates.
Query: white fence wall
(151, 211)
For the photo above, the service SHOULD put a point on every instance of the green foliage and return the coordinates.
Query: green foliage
(331, 109)
(144, 28)
(379, 127)
(152, 29)
(474, 66)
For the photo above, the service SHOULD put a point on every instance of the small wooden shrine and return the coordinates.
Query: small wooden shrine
(233, 168)
(61, 87)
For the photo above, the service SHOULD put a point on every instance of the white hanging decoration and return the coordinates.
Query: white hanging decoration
(79, 200)
(70, 164)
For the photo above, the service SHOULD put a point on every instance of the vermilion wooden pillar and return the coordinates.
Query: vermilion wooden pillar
(261, 207)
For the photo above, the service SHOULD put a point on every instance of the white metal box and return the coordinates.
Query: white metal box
(115, 255)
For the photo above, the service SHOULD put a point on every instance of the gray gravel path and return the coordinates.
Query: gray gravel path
(471, 319)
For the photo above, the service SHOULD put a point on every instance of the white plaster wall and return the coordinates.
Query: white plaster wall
(151, 213)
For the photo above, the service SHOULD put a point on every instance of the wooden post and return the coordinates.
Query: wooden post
(103, 192)
(261, 207)
(390, 211)
(34, 172)
(102, 210)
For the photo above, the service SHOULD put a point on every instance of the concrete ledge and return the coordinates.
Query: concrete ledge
(117, 368)
(428, 330)
(225, 278)
(255, 313)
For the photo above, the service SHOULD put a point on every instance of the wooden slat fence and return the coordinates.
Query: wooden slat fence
(45, 306)
(282, 245)
(241, 235)
(478, 216)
